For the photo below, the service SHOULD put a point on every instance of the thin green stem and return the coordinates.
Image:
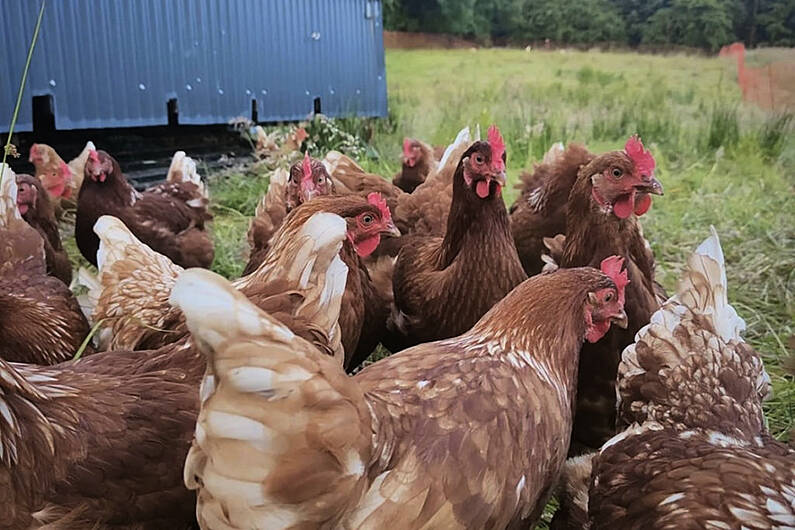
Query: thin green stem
(22, 86)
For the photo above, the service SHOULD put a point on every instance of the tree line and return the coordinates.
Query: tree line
(706, 24)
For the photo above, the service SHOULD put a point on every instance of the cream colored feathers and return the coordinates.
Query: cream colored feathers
(253, 418)
(133, 286)
(183, 169)
(691, 340)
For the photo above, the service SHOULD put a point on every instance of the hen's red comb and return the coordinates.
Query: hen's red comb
(643, 160)
(306, 167)
(497, 145)
(93, 155)
(612, 268)
(375, 199)
(407, 147)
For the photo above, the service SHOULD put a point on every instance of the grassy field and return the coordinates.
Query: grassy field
(721, 162)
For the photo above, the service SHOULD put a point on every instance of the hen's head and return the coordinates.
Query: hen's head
(308, 179)
(367, 219)
(39, 155)
(606, 304)
(54, 173)
(101, 167)
(27, 193)
(366, 227)
(484, 166)
(622, 181)
(412, 152)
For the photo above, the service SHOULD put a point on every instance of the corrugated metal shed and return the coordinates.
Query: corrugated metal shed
(116, 63)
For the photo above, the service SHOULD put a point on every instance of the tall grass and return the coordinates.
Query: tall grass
(721, 162)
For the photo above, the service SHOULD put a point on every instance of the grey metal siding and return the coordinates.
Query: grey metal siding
(115, 63)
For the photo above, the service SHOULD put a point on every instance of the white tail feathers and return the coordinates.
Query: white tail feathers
(462, 137)
(183, 169)
(553, 154)
(703, 289)
(79, 161)
(8, 198)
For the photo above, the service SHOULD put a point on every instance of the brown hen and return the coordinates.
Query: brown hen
(286, 191)
(170, 217)
(698, 454)
(540, 210)
(37, 210)
(418, 161)
(468, 432)
(40, 319)
(102, 442)
(442, 286)
(609, 194)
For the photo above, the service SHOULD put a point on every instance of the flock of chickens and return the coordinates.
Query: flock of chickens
(534, 353)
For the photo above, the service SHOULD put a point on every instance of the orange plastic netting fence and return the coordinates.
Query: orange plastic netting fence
(771, 86)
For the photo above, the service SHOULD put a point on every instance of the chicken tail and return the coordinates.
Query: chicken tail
(575, 480)
(554, 153)
(9, 212)
(283, 435)
(270, 212)
(694, 332)
(78, 164)
(183, 169)
(462, 138)
(134, 284)
(306, 258)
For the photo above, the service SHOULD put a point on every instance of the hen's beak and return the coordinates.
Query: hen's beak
(621, 320)
(652, 186)
(390, 229)
(499, 178)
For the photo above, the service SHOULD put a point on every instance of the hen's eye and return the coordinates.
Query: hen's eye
(617, 172)
(479, 158)
(368, 219)
(609, 297)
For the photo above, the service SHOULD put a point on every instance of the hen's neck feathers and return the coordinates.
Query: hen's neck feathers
(483, 222)
(592, 234)
(544, 299)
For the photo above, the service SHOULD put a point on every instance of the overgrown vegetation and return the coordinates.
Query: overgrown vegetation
(721, 162)
(707, 24)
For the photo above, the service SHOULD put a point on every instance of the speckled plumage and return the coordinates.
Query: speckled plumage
(134, 285)
(103, 440)
(468, 432)
(697, 453)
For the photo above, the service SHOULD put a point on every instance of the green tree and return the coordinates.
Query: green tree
(586, 21)
(776, 22)
(697, 23)
(635, 14)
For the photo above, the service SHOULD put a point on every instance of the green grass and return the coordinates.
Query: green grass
(721, 162)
